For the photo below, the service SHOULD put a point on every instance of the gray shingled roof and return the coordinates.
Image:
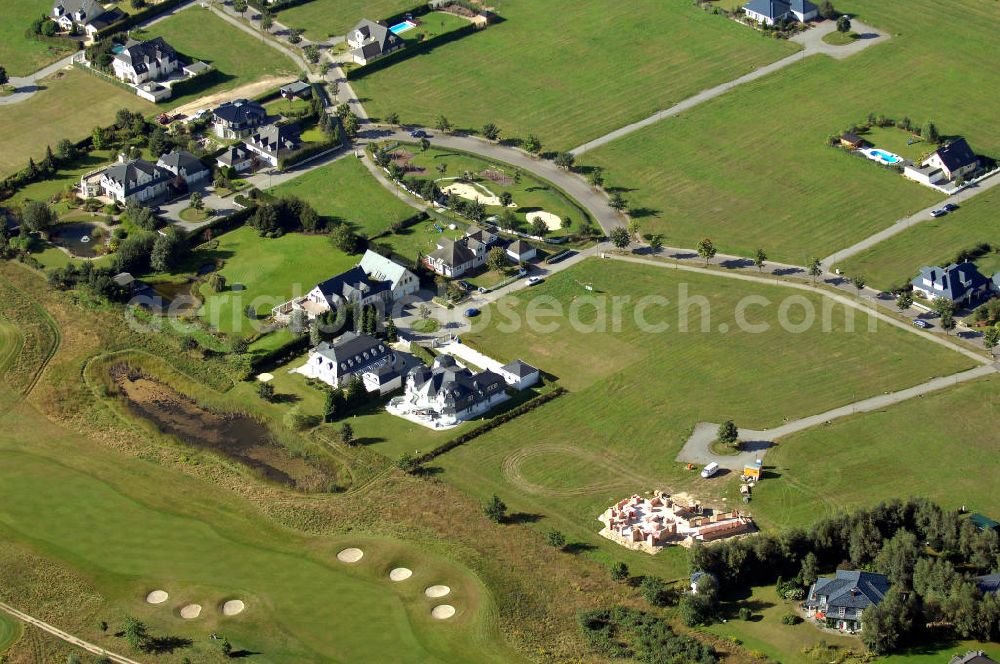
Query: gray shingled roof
(273, 139)
(955, 280)
(453, 253)
(138, 53)
(127, 174)
(519, 368)
(850, 589)
(181, 159)
(240, 112)
(773, 9)
(348, 284)
(350, 352)
(459, 387)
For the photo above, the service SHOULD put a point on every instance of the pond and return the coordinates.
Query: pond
(81, 238)
(238, 437)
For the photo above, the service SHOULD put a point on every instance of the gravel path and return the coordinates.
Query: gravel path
(68, 638)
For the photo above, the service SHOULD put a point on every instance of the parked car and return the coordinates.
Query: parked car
(938, 213)
(418, 133)
(471, 312)
(710, 469)
(482, 290)
(949, 207)
(533, 281)
(921, 323)
(466, 285)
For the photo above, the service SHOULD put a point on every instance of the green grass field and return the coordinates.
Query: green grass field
(71, 104)
(198, 33)
(934, 242)
(10, 631)
(599, 66)
(324, 18)
(346, 191)
(22, 56)
(272, 271)
(942, 446)
(130, 526)
(774, 183)
(636, 395)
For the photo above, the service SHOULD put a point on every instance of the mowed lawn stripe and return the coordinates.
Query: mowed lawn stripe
(895, 261)
(569, 71)
(752, 169)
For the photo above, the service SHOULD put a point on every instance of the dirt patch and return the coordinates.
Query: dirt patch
(499, 177)
(238, 437)
(404, 160)
(248, 91)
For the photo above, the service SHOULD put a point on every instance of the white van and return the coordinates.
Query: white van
(710, 469)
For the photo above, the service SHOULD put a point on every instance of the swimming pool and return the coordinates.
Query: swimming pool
(402, 27)
(117, 49)
(882, 156)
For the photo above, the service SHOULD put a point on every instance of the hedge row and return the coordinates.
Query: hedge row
(222, 224)
(401, 225)
(196, 83)
(302, 154)
(502, 418)
(276, 6)
(281, 355)
(138, 17)
(410, 51)
(106, 77)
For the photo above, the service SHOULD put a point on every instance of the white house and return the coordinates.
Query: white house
(87, 16)
(375, 281)
(447, 393)
(135, 180)
(151, 60)
(184, 165)
(236, 157)
(520, 251)
(519, 374)
(770, 12)
(453, 258)
(356, 355)
(370, 40)
(956, 159)
(273, 142)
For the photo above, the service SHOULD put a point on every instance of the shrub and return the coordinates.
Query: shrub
(745, 613)
(790, 619)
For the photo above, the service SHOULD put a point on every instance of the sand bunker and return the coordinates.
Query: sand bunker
(265, 377)
(191, 611)
(233, 607)
(400, 574)
(443, 611)
(473, 193)
(552, 221)
(351, 555)
(157, 597)
(437, 591)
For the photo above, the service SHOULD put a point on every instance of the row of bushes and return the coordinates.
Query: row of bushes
(93, 71)
(401, 225)
(138, 17)
(196, 83)
(281, 355)
(485, 427)
(307, 152)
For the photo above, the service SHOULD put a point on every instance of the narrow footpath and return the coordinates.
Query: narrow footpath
(65, 636)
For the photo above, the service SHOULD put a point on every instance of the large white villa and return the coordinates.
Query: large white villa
(447, 394)
(353, 355)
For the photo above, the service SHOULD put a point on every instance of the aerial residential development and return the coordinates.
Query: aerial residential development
(499, 332)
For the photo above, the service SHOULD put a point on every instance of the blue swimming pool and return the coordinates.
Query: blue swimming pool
(402, 27)
(886, 157)
(118, 49)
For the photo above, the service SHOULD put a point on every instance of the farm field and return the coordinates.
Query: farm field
(673, 50)
(887, 454)
(325, 18)
(239, 58)
(22, 56)
(895, 261)
(345, 191)
(635, 396)
(779, 186)
(271, 270)
(71, 105)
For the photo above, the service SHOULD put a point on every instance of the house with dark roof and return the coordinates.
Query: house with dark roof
(274, 142)
(972, 657)
(956, 159)
(447, 393)
(296, 90)
(519, 374)
(770, 12)
(960, 283)
(354, 355)
(453, 258)
(184, 165)
(134, 180)
(236, 157)
(87, 16)
(151, 60)
(371, 40)
(988, 583)
(983, 522)
(238, 118)
(520, 251)
(840, 601)
(375, 281)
